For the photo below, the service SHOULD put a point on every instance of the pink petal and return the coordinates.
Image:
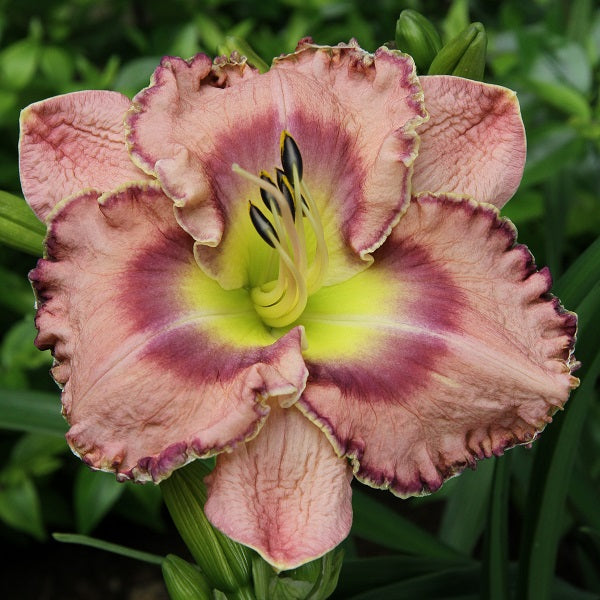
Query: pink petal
(474, 141)
(352, 114)
(141, 340)
(74, 142)
(469, 356)
(285, 494)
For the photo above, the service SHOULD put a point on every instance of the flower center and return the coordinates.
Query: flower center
(291, 215)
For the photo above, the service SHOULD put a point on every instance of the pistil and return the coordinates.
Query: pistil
(281, 301)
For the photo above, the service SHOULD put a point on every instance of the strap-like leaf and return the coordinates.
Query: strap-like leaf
(495, 560)
(31, 411)
(84, 540)
(376, 523)
(19, 227)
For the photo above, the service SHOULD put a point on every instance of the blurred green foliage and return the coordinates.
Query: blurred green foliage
(549, 52)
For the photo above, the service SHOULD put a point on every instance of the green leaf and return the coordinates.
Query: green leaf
(20, 507)
(584, 498)
(108, 74)
(455, 583)
(587, 559)
(9, 108)
(286, 588)
(17, 350)
(581, 277)
(456, 20)
(557, 189)
(232, 43)
(211, 35)
(593, 41)
(550, 148)
(495, 582)
(315, 580)
(379, 524)
(84, 540)
(18, 63)
(143, 504)
(15, 292)
(19, 227)
(262, 574)
(580, 19)
(588, 313)
(57, 65)
(327, 574)
(526, 206)
(135, 75)
(364, 574)
(555, 455)
(93, 78)
(563, 98)
(548, 488)
(567, 65)
(31, 411)
(464, 515)
(183, 580)
(94, 495)
(35, 454)
(185, 42)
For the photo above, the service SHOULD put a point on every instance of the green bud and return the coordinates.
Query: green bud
(463, 56)
(184, 581)
(226, 564)
(236, 44)
(417, 36)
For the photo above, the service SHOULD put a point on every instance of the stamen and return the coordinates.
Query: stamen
(267, 197)
(290, 156)
(281, 301)
(288, 221)
(292, 303)
(262, 225)
(284, 187)
(318, 269)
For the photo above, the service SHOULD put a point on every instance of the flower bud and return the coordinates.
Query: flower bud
(225, 563)
(417, 36)
(463, 56)
(184, 581)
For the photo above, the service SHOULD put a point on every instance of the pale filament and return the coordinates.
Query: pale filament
(281, 301)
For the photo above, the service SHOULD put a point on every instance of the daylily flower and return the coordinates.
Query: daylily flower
(302, 271)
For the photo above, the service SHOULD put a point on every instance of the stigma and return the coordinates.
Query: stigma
(288, 214)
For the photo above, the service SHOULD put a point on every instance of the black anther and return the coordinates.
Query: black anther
(290, 156)
(266, 196)
(286, 189)
(262, 225)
